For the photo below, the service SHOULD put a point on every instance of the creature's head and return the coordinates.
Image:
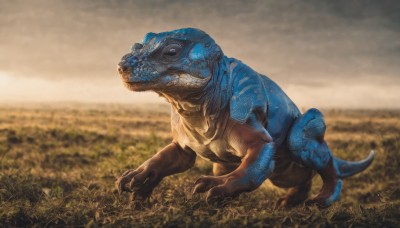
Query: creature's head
(180, 60)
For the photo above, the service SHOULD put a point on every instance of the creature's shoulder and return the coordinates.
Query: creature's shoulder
(249, 92)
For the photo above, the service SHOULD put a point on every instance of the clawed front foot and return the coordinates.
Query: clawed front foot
(221, 187)
(140, 182)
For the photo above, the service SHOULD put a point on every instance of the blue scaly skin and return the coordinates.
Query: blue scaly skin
(227, 113)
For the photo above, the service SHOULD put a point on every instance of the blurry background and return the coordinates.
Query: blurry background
(341, 54)
(69, 128)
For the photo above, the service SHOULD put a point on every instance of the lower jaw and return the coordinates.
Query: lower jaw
(136, 86)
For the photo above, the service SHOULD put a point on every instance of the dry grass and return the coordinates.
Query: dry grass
(58, 167)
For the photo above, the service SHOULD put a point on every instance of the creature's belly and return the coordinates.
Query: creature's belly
(292, 175)
(215, 151)
(211, 145)
(288, 173)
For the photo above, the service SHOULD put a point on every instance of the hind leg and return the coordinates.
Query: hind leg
(308, 147)
(295, 195)
(331, 188)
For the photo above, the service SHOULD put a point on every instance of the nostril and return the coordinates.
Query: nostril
(122, 68)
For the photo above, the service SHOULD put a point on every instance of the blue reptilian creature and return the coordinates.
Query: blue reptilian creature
(227, 113)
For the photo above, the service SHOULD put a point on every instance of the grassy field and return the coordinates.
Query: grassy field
(58, 165)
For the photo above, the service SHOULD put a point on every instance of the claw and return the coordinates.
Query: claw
(122, 186)
(124, 179)
(198, 180)
(132, 183)
(219, 187)
(218, 193)
(119, 186)
(119, 189)
(205, 183)
(199, 188)
(126, 172)
(213, 195)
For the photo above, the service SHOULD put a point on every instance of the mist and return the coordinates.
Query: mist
(341, 54)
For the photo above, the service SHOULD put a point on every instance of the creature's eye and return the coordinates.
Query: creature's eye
(172, 50)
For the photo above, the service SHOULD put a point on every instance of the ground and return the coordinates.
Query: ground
(58, 165)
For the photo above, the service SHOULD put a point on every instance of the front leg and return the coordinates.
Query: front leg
(220, 169)
(141, 181)
(256, 166)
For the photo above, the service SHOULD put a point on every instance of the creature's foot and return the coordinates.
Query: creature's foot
(295, 196)
(140, 182)
(330, 191)
(221, 187)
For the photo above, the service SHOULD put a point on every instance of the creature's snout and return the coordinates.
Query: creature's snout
(126, 63)
(126, 66)
(129, 60)
(122, 68)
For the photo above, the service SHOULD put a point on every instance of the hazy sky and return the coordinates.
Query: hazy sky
(323, 53)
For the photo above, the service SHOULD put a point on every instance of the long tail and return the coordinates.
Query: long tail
(347, 168)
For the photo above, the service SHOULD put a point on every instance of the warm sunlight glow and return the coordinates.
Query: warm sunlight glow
(24, 89)
(33, 89)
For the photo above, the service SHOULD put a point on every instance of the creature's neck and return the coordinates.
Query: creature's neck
(207, 104)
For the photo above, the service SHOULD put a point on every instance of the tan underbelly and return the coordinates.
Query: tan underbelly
(215, 151)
